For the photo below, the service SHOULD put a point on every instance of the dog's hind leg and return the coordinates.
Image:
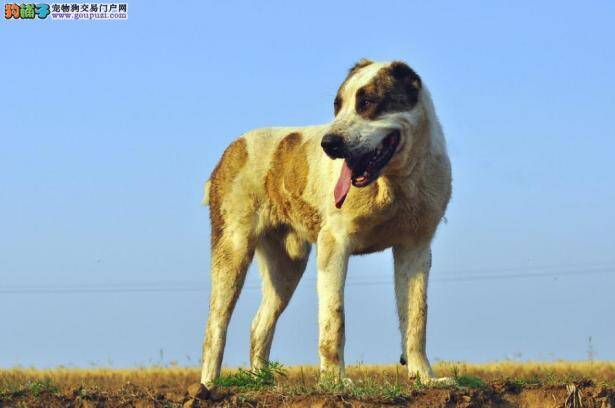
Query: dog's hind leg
(282, 259)
(231, 256)
(411, 274)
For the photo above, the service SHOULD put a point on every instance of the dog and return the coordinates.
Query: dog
(378, 176)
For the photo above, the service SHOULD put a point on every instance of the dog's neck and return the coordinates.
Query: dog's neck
(429, 156)
(427, 136)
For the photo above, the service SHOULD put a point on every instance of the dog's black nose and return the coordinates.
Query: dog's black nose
(333, 144)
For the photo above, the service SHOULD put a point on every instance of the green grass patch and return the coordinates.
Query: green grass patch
(365, 388)
(10, 389)
(253, 379)
(467, 381)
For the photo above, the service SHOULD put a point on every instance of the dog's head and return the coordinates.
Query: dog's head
(378, 119)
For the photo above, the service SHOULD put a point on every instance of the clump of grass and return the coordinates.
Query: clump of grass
(363, 388)
(374, 389)
(253, 379)
(329, 384)
(522, 382)
(467, 381)
(394, 392)
(35, 388)
(38, 387)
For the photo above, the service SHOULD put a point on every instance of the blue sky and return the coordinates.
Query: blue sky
(109, 130)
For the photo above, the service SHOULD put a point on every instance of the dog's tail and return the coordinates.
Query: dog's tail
(206, 193)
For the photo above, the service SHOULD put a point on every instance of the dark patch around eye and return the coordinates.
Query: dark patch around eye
(364, 104)
(394, 89)
(367, 102)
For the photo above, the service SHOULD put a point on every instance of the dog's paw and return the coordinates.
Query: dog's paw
(347, 382)
(418, 367)
(442, 381)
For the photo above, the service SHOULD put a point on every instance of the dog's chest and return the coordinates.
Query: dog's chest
(407, 220)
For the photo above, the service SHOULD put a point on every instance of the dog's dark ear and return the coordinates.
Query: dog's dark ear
(360, 64)
(400, 70)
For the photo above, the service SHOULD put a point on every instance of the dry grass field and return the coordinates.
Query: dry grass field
(505, 384)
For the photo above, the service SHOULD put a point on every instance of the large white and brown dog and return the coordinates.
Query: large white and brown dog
(276, 191)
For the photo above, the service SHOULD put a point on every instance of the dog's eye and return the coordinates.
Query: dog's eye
(365, 104)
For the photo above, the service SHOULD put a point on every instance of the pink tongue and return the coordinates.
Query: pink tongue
(343, 185)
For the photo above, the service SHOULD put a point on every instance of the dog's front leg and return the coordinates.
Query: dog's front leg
(411, 274)
(332, 264)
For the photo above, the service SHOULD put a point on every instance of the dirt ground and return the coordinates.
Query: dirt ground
(488, 385)
(494, 395)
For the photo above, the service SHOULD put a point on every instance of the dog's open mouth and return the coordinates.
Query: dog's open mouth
(363, 170)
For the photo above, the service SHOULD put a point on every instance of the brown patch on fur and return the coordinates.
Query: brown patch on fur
(229, 256)
(232, 161)
(328, 350)
(338, 102)
(285, 184)
(395, 88)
